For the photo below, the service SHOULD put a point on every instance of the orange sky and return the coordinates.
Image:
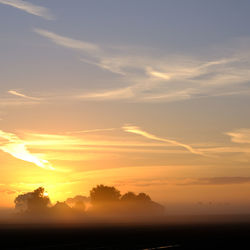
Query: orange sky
(152, 100)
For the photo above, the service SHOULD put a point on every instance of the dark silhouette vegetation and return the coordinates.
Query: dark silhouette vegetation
(36, 201)
(103, 202)
(107, 200)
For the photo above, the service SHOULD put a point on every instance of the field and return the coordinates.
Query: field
(123, 236)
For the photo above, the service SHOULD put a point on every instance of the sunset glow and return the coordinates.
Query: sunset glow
(147, 97)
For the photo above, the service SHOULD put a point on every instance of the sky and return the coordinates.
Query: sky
(145, 95)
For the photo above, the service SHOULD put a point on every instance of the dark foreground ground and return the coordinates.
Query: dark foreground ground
(188, 236)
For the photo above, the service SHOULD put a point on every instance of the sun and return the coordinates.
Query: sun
(45, 194)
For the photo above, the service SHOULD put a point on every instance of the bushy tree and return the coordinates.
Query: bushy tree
(102, 193)
(132, 197)
(129, 196)
(143, 197)
(33, 201)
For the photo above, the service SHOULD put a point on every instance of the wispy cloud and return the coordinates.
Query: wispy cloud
(83, 140)
(109, 65)
(90, 131)
(29, 8)
(226, 149)
(68, 42)
(157, 74)
(137, 130)
(85, 145)
(96, 53)
(210, 181)
(16, 147)
(177, 79)
(6, 102)
(164, 82)
(123, 93)
(147, 78)
(8, 191)
(240, 135)
(216, 181)
(16, 93)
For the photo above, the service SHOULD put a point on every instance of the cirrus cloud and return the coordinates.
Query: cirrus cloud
(137, 130)
(240, 135)
(16, 147)
(17, 93)
(29, 8)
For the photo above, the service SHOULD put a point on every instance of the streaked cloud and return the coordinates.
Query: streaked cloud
(226, 149)
(123, 93)
(137, 130)
(68, 42)
(146, 78)
(159, 176)
(29, 8)
(85, 145)
(216, 181)
(16, 93)
(96, 53)
(15, 102)
(91, 130)
(181, 79)
(157, 74)
(84, 140)
(240, 135)
(16, 147)
(9, 191)
(171, 96)
(109, 65)
(210, 181)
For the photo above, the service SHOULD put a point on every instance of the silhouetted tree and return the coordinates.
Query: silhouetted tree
(140, 204)
(79, 206)
(103, 193)
(129, 196)
(77, 200)
(61, 207)
(143, 197)
(132, 197)
(34, 201)
(104, 201)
